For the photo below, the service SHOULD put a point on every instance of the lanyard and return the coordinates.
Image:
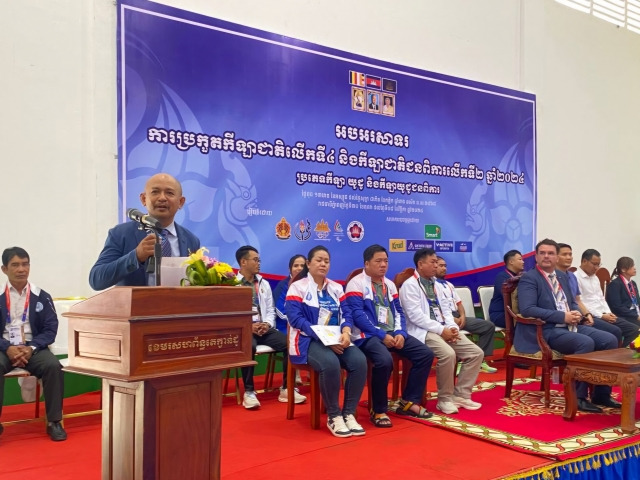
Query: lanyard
(7, 295)
(424, 290)
(509, 272)
(385, 298)
(630, 290)
(560, 289)
(545, 275)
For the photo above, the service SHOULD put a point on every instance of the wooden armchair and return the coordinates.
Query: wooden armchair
(605, 279)
(545, 358)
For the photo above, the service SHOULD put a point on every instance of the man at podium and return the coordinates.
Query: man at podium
(128, 249)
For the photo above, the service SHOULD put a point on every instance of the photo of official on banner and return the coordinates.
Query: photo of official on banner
(284, 145)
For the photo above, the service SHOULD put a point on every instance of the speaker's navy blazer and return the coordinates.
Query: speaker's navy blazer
(118, 264)
(535, 299)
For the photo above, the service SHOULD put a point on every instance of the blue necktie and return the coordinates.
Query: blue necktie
(165, 245)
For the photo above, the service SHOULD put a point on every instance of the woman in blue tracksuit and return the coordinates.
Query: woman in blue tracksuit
(316, 300)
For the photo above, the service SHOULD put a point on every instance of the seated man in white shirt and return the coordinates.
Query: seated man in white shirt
(484, 329)
(593, 298)
(263, 326)
(30, 325)
(421, 299)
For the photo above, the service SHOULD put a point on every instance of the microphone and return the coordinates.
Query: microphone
(143, 218)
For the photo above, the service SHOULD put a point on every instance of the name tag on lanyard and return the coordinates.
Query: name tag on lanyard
(383, 316)
(16, 332)
(16, 335)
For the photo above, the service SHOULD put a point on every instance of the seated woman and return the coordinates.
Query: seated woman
(313, 299)
(622, 292)
(296, 265)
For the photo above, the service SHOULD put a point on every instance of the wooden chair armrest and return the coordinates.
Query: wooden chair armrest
(529, 320)
(547, 353)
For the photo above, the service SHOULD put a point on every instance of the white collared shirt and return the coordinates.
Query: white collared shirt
(17, 309)
(591, 293)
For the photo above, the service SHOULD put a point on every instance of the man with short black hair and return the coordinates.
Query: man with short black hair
(380, 328)
(593, 298)
(484, 329)
(565, 259)
(30, 325)
(421, 299)
(514, 266)
(263, 326)
(544, 293)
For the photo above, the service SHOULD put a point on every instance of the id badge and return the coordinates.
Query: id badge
(16, 335)
(256, 314)
(382, 315)
(561, 306)
(438, 314)
(324, 316)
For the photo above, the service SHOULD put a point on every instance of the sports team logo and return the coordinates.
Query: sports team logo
(283, 229)
(355, 231)
(322, 230)
(303, 230)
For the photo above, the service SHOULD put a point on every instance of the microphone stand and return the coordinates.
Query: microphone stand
(154, 263)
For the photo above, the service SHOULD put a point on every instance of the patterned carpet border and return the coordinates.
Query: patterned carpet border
(560, 449)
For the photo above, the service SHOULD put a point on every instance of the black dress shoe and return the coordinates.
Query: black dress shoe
(609, 402)
(586, 406)
(56, 432)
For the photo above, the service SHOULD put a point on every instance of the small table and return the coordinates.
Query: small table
(605, 367)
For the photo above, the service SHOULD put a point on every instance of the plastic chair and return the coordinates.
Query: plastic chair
(486, 294)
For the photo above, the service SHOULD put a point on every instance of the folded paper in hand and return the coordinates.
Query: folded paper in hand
(328, 334)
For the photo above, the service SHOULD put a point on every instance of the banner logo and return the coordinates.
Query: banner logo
(413, 245)
(283, 229)
(338, 232)
(464, 247)
(322, 230)
(355, 231)
(397, 245)
(303, 230)
(432, 231)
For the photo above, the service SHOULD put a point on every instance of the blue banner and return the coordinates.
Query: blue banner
(284, 145)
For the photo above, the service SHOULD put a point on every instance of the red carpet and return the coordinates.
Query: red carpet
(522, 423)
(262, 444)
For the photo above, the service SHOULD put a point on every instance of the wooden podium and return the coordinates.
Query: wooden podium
(160, 352)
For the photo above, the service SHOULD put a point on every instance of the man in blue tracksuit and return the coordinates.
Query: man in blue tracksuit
(379, 328)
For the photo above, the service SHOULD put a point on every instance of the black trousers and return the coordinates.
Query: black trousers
(46, 366)
(272, 338)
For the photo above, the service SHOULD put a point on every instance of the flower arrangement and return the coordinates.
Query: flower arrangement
(203, 270)
(635, 346)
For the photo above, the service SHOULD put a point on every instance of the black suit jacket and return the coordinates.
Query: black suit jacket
(619, 300)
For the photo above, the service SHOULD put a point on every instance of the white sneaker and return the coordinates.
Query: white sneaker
(447, 407)
(466, 403)
(337, 426)
(297, 397)
(353, 425)
(250, 400)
